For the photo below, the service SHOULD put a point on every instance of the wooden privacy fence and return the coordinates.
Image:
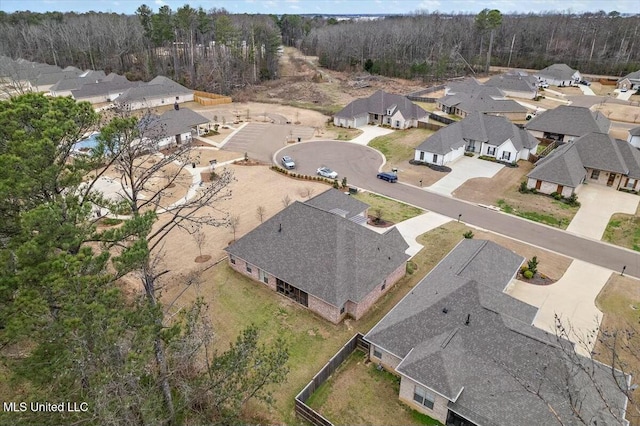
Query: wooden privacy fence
(208, 99)
(307, 413)
(440, 118)
(429, 126)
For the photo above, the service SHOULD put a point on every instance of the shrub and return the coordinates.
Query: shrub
(468, 234)
(523, 187)
(344, 182)
(556, 196)
(468, 154)
(572, 200)
(528, 274)
(411, 267)
(533, 265)
(335, 184)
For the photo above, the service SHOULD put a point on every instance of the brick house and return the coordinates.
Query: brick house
(566, 123)
(593, 158)
(466, 352)
(322, 257)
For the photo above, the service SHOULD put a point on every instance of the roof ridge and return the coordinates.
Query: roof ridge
(473, 256)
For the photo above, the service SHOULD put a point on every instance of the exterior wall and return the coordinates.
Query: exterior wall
(155, 102)
(440, 409)
(603, 178)
(350, 122)
(507, 147)
(363, 306)
(325, 310)
(442, 159)
(388, 361)
(241, 267)
(634, 140)
(61, 93)
(536, 134)
(549, 187)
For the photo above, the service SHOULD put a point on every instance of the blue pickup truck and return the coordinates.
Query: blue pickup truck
(389, 177)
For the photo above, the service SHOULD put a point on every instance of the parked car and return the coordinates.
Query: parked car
(389, 177)
(288, 162)
(543, 85)
(327, 172)
(624, 89)
(584, 83)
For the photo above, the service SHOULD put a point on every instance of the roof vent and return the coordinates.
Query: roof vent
(445, 310)
(468, 319)
(280, 229)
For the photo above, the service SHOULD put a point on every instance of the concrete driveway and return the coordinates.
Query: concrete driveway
(462, 169)
(572, 298)
(262, 140)
(586, 90)
(598, 203)
(369, 132)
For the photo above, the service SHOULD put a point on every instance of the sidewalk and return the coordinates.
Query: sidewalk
(370, 132)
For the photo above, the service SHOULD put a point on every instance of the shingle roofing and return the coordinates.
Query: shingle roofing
(321, 253)
(481, 101)
(513, 82)
(158, 87)
(566, 165)
(475, 365)
(635, 131)
(569, 120)
(172, 122)
(110, 84)
(70, 83)
(479, 127)
(635, 75)
(378, 103)
(335, 199)
(557, 72)
(471, 86)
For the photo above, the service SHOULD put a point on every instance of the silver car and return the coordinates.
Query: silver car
(288, 162)
(327, 172)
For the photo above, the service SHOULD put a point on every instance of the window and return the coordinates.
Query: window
(389, 120)
(342, 310)
(377, 353)
(422, 397)
(397, 123)
(263, 276)
(506, 155)
(421, 155)
(384, 285)
(249, 270)
(595, 174)
(491, 150)
(631, 183)
(291, 292)
(435, 158)
(232, 259)
(375, 116)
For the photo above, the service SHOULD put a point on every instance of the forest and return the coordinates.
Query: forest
(216, 51)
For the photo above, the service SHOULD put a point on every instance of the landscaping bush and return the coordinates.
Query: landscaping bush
(468, 154)
(335, 184)
(488, 158)
(556, 196)
(411, 267)
(528, 274)
(523, 189)
(468, 234)
(572, 200)
(532, 265)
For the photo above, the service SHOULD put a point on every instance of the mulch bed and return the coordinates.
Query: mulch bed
(249, 162)
(373, 221)
(537, 279)
(203, 258)
(443, 169)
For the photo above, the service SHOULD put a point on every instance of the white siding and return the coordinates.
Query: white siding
(507, 146)
(634, 140)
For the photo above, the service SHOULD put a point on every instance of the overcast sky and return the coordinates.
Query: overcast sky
(329, 6)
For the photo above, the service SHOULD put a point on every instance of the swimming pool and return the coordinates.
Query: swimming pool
(86, 144)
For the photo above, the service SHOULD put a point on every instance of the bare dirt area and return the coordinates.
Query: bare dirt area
(619, 112)
(489, 190)
(418, 175)
(201, 156)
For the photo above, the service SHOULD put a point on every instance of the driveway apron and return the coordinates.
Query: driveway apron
(462, 169)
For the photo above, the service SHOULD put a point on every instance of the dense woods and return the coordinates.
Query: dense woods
(217, 51)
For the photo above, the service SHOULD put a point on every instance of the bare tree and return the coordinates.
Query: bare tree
(260, 212)
(199, 237)
(286, 200)
(234, 223)
(306, 192)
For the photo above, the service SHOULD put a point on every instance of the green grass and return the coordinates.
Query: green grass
(392, 211)
(547, 219)
(235, 301)
(400, 145)
(623, 230)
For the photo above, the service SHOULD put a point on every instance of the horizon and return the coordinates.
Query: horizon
(329, 7)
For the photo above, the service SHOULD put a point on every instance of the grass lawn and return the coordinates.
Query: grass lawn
(392, 211)
(235, 301)
(399, 146)
(623, 230)
(357, 383)
(343, 133)
(559, 221)
(619, 301)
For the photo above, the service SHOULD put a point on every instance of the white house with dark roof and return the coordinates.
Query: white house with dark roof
(173, 127)
(66, 85)
(566, 123)
(320, 256)
(517, 84)
(477, 133)
(159, 91)
(104, 90)
(593, 158)
(630, 81)
(467, 353)
(634, 137)
(558, 75)
(396, 111)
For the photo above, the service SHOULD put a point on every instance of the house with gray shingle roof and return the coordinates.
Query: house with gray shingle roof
(558, 75)
(481, 134)
(594, 158)
(66, 85)
(159, 91)
(566, 122)
(630, 81)
(468, 354)
(334, 201)
(517, 85)
(322, 259)
(106, 89)
(381, 108)
(465, 97)
(173, 127)
(634, 137)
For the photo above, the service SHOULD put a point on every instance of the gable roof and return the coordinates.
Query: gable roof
(569, 120)
(563, 167)
(379, 102)
(600, 151)
(635, 75)
(321, 253)
(70, 83)
(514, 82)
(333, 199)
(470, 363)
(490, 129)
(110, 84)
(172, 122)
(481, 101)
(159, 87)
(557, 72)
(470, 86)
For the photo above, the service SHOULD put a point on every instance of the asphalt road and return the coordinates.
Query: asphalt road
(360, 164)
